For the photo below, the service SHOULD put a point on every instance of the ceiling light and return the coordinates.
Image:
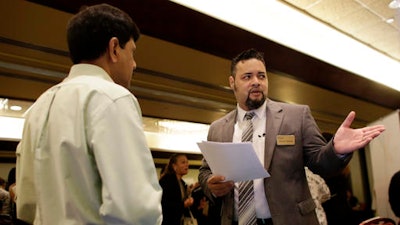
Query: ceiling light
(390, 20)
(174, 126)
(12, 128)
(16, 108)
(395, 4)
(285, 25)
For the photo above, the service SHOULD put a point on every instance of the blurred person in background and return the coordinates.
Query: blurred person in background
(5, 204)
(394, 194)
(176, 198)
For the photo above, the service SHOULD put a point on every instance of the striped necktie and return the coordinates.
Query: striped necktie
(246, 208)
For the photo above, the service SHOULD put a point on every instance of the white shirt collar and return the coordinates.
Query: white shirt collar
(88, 69)
(259, 112)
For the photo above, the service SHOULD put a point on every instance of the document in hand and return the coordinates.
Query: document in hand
(234, 161)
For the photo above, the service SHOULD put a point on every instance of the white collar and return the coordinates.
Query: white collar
(259, 112)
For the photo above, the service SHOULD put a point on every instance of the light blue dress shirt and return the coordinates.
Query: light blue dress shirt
(83, 158)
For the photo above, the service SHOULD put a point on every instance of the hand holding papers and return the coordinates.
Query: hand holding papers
(234, 161)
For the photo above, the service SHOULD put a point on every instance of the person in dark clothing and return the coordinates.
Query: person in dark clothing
(175, 198)
(337, 209)
(394, 194)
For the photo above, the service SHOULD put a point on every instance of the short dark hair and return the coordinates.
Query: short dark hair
(246, 55)
(89, 31)
(11, 177)
(394, 194)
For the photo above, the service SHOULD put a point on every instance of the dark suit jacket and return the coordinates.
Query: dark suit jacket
(171, 201)
(286, 190)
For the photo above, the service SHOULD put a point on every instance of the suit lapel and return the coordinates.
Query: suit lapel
(274, 118)
(228, 127)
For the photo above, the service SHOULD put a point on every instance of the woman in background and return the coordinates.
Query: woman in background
(175, 199)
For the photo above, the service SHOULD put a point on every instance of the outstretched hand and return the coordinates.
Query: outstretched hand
(348, 140)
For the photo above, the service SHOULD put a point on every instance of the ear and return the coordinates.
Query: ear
(113, 49)
(231, 82)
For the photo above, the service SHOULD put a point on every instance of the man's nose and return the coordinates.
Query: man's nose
(134, 65)
(255, 81)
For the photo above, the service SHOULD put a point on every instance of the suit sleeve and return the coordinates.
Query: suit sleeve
(319, 155)
(205, 171)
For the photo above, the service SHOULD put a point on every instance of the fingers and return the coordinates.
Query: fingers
(349, 119)
(218, 186)
(368, 134)
(372, 132)
(188, 202)
(216, 179)
(348, 140)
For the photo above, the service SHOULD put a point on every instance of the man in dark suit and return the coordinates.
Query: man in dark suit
(286, 138)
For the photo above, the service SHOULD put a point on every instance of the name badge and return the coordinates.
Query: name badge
(285, 140)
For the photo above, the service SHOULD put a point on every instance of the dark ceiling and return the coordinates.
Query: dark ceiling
(175, 23)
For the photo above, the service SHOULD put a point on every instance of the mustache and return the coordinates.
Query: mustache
(255, 89)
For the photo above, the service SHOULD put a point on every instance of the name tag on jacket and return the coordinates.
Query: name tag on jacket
(285, 140)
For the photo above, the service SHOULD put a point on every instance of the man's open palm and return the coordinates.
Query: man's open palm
(348, 140)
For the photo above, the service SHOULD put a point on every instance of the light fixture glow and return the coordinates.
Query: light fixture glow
(395, 4)
(390, 20)
(180, 137)
(173, 135)
(16, 108)
(11, 128)
(285, 25)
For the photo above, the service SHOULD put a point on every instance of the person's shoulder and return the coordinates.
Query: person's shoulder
(396, 175)
(113, 90)
(167, 176)
(167, 179)
(395, 180)
(224, 119)
(287, 105)
(101, 85)
(89, 79)
(276, 106)
(4, 194)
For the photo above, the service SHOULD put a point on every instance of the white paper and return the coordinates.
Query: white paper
(234, 161)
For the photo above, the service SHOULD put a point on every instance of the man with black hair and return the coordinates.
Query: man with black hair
(286, 138)
(83, 157)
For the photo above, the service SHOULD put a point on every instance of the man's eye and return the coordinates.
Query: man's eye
(262, 76)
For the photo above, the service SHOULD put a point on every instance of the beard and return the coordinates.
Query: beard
(255, 104)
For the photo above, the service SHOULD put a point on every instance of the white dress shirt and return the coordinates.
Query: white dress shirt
(83, 157)
(259, 121)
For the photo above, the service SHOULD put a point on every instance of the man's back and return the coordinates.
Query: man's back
(74, 140)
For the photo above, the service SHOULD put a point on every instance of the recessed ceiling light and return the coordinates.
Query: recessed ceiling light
(390, 20)
(395, 4)
(16, 108)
